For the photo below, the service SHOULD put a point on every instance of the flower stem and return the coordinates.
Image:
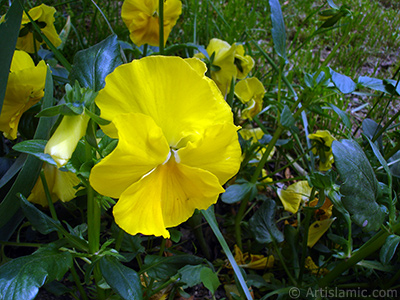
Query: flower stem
(78, 283)
(161, 23)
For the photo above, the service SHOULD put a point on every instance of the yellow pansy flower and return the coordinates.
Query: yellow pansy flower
(322, 140)
(24, 89)
(244, 63)
(223, 68)
(61, 186)
(142, 19)
(251, 92)
(29, 39)
(63, 142)
(177, 143)
(252, 261)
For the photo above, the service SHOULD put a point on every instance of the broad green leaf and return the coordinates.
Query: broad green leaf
(370, 129)
(287, 120)
(39, 220)
(10, 29)
(29, 173)
(278, 29)
(121, 279)
(263, 225)
(190, 275)
(344, 83)
(373, 83)
(22, 277)
(161, 268)
(389, 248)
(209, 279)
(35, 148)
(92, 65)
(238, 192)
(342, 115)
(359, 187)
(322, 180)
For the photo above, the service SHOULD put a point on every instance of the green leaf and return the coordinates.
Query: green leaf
(389, 248)
(370, 129)
(278, 29)
(359, 187)
(161, 268)
(344, 83)
(238, 192)
(29, 173)
(209, 279)
(35, 148)
(373, 83)
(92, 65)
(190, 275)
(39, 220)
(22, 277)
(395, 167)
(342, 115)
(287, 120)
(121, 279)
(263, 225)
(10, 29)
(96, 118)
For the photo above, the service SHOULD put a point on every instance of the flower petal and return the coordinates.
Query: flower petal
(141, 148)
(165, 198)
(218, 151)
(317, 230)
(295, 194)
(180, 100)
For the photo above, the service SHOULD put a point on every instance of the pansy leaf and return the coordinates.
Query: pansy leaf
(263, 225)
(160, 268)
(22, 277)
(209, 279)
(237, 192)
(92, 65)
(359, 187)
(121, 279)
(344, 83)
(278, 29)
(341, 114)
(35, 148)
(372, 83)
(287, 120)
(10, 29)
(389, 248)
(190, 275)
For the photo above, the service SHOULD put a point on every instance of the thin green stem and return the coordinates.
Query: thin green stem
(120, 238)
(18, 244)
(161, 24)
(162, 247)
(78, 283)
(144, 52)
(238, 221)
(282, 261)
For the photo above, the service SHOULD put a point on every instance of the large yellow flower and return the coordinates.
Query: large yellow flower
(24, 89)
(61, 186)
(251, 92)
(142, 19)
(177, 143)
(63, 142)
(29, 39)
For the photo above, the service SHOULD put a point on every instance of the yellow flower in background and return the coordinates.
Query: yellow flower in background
(315, 270)
(251, 92)
(252, 261)
(142, 19)
(61, 186)
(24, 89)
(63, 142)
(299, 193)
(223, 68)
(322, 140)
(29, 39)
(177, 143)
(256, 134)
(244, 63)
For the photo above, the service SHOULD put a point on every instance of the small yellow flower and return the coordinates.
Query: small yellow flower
(24, 89)
(251, 92)
(322, 140)
(61, 186)
(252, 261)
(43, 16)
(296, 194)
(244, 63)
(66, 137)
(315, 270)
(142, 19)
(177, 144)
